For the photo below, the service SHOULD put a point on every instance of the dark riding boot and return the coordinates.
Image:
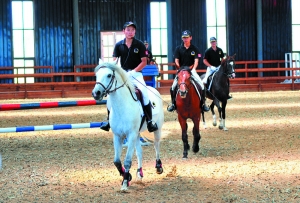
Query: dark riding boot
(172, 107)
(106, 126)
(148, 112)
(204, 107)
(229, 97)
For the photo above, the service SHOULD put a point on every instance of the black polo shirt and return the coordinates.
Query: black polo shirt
(214, 57)
(186, 56)
(130, 58)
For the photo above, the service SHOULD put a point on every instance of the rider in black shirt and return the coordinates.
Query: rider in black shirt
(212, 59)
(133, 59)
(186, 55)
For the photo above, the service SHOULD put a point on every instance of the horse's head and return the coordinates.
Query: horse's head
(229, 66)
(184, 80)
(107, 76)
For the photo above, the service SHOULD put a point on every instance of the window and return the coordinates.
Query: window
(295, 35)
(23, 39)
(108, 41)
(159, 41)
(216, 22)
(295, 25)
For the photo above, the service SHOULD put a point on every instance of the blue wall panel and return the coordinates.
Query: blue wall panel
(53, 34)
(5, 38)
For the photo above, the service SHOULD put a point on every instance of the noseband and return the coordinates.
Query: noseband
(110, 84)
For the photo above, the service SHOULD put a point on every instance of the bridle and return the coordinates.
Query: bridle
(183, 83)
(232, 70)
(107, 90)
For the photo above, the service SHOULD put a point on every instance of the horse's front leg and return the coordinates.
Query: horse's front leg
(224, 115)
(158, 164)
(184, 135)
(118, 150)
(132, 138)
(212, 106)
(196, 134)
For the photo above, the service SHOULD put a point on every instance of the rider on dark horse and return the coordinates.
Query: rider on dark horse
(187, 55)
(212, 59)
(133, 60)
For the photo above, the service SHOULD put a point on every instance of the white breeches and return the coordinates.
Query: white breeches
(195, 76)
(209, 71)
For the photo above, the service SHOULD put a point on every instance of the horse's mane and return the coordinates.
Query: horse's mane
(187, 68)
(119, 70)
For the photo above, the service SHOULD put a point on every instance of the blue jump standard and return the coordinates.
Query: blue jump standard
(51, 127)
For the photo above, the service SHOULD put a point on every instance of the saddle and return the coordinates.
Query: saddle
(139, 95)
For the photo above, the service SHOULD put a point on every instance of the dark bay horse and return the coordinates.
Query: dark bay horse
(217, 89)
(188, 106)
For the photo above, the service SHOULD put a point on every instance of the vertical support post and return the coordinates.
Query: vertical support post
(259, 35)
(76, 36)
(169, 34)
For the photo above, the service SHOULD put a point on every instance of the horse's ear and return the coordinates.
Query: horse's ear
(100, 61)
(233, 56)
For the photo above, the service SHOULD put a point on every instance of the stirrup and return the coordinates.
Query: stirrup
(151, 127)
(171, 108)
(105, 126)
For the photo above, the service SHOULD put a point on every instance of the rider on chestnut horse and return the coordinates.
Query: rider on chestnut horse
(187, 55)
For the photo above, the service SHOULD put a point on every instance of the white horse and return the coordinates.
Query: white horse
(126, 117)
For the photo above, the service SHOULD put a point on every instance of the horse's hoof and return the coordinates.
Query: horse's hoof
(184, 157)
(220, 127)
(159, 170)
(139, 174)
(125, 185)
(214, 123)
(225, 129)
(196, 148)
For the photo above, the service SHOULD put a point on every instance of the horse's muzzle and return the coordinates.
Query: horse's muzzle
(233, 75)
(183, 93)
(97, 96)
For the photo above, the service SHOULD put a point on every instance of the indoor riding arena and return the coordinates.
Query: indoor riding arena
(53, 150)
(256, 160)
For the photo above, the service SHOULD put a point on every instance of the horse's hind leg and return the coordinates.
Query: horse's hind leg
(158, 164)
(139, 155)
(203, 119)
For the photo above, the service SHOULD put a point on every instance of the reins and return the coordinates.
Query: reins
(107, 90)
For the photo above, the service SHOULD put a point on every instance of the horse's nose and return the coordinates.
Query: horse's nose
(233, 75)
(96, 94)
(183, 93)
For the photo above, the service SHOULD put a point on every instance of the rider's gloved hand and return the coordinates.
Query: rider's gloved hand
(213, 68)
(131, 73)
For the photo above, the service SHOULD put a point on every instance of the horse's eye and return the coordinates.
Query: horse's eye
(109, 75)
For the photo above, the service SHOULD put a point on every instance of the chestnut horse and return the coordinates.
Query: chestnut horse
(188, 106)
